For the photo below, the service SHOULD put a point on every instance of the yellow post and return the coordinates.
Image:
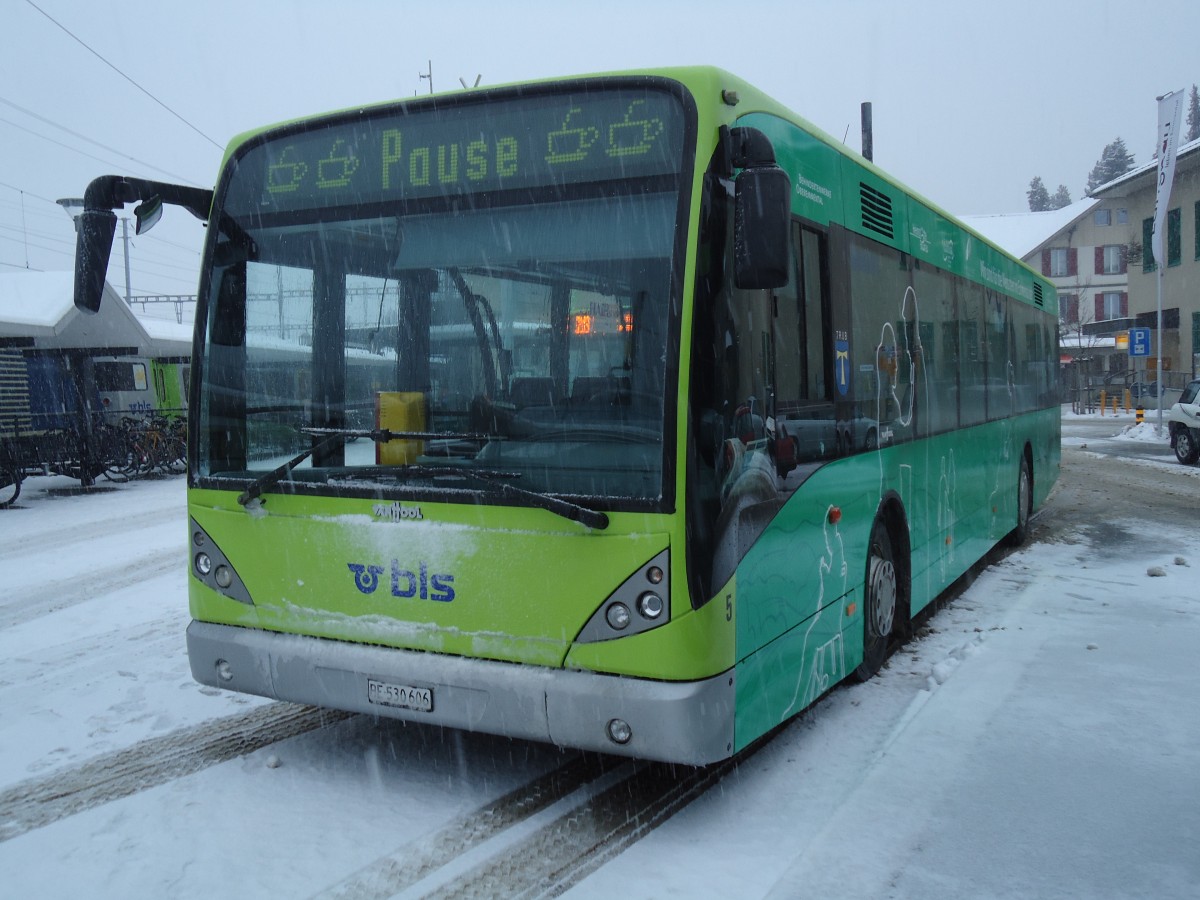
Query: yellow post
(399, 411)
(1127, 400)
(1103, 401)
(1114, 400)
(1140, 414)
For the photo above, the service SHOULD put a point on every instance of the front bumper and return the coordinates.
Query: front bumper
(684, 722)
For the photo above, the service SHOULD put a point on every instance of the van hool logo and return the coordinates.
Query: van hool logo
(396, 512)
(405, 582)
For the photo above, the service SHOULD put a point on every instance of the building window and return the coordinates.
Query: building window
(1196, 231)
(1068, 305)
(1103, 217)
(1174, 240)
(1059, 267)
(1111, 305)
(1110, 260)
(1174, 236)
(1122, 217)
(1060, 262)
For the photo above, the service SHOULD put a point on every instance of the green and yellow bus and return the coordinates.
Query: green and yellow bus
(626, 412)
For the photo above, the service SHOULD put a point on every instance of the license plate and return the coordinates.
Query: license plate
(400, 696)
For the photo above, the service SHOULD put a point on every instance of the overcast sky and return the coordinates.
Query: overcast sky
(970, 99)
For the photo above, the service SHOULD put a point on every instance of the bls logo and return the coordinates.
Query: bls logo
(405, 583)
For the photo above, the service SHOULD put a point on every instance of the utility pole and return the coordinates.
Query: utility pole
(125, 239)
(428, 75)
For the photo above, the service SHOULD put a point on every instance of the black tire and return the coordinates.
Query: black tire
(1020, 534)
(883, 602)
(1187, 448)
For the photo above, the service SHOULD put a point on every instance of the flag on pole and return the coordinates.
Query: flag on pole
(1170, 107)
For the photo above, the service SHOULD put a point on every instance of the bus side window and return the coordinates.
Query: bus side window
(806, 423)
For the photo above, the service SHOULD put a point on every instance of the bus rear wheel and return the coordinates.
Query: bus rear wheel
(882, 602)
(1020, 534)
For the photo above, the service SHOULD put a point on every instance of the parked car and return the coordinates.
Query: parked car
(1183, 423)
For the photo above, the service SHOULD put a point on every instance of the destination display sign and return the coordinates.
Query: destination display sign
(552, 139)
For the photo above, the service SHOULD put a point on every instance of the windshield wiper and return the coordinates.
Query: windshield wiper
(592, 518)
(268, 479)
(333, 436)
(498, 482)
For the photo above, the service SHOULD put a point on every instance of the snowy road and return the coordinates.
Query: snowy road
(1040, 738)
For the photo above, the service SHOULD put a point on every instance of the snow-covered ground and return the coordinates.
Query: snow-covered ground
(1041, 738)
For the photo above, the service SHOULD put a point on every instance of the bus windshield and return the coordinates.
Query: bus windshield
(480, 286)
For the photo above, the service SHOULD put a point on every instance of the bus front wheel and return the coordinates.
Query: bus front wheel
(882, 601)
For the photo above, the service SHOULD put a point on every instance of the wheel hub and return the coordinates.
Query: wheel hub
(883, 595)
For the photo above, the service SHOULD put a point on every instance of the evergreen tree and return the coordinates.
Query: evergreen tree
(1061, 198)
(1193, 116)
(1039, 197)
(1114, 162)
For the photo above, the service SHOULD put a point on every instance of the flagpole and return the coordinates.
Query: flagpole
(1170, 105)
(1158, 330)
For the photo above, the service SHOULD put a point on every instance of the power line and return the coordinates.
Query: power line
(123, 75)
(26, 267)
(82, 137)
(60, 143)
(23, 191)
(36, 234)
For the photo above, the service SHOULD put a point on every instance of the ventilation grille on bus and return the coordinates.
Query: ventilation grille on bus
(876, 211)
(1037, 295)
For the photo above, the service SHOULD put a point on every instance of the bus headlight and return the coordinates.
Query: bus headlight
(639, 603)
(650, 605)
(618, 616)
(213, 568)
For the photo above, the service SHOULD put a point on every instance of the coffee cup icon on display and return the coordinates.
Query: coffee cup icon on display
(334, 170)
(633, 137)
(285, 176)
(570, 144)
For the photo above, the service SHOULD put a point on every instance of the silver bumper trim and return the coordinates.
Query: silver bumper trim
(684, 722)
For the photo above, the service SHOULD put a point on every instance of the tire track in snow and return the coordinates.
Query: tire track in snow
(603, 806)
(39, 802)
(24, 605)
(565, 851)
(411, 864)
(87, 532)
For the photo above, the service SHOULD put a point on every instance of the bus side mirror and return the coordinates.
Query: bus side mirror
(93, 246)
(147, 214)
(761, 220)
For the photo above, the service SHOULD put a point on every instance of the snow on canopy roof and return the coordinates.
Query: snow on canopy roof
(41, 306)
(1077, 341)
(35, 302)
(165, 331)
(1022, 233)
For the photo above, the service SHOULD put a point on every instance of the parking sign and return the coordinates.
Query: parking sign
(1139, 341)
